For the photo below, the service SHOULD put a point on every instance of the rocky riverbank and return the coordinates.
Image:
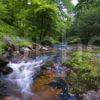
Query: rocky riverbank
(17, 54)
(5, 91)
(51, 70)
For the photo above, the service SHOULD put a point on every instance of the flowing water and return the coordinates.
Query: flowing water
(23, 74)
(25, 71)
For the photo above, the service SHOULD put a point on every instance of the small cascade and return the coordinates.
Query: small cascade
(26, 70)
(23, 73)
(22, 76)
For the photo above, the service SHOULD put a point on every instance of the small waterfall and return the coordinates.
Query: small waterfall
(22, 76)
(25, 70)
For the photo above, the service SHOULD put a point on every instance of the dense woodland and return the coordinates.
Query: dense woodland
(46, 19)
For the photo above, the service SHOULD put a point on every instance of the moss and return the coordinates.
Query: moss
(24, 42)
(85, 71)
(20, 42)
(2, 45)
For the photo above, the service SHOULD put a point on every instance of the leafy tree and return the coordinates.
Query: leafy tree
(87, 22)
(3, 11)
(44, 19)
(69, 5)
(86, 4)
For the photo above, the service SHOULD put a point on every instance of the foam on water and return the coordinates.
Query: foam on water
(23, 73)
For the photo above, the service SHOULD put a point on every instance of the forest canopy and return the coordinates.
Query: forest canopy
(46, 19)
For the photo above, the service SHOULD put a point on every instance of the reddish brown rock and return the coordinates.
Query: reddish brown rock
(7, 98)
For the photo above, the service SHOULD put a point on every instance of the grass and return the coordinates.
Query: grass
(85, 71)
(20, 42)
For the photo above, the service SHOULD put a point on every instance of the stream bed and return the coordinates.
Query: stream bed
(31, 77)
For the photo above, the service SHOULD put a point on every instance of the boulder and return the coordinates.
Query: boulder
(43, 50)
(34, 53)
(98, 55)
(3, 61)
(7, 98)
(6, 70)
(48, 49)
(52, 50)
(36, 46)
(3, 68)
(7, 39)
(4, 89)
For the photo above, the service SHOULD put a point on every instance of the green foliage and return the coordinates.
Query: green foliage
(37, 19)
(85, 4)
(87, 23)
(24, 42)
(69, 5)
(18, 41)
(84, 73)
(45, 17)
(3, 11)
(79, 59)
(73, 39)
(7, 29)
(41, 19)
(2, 44)
(49, 41)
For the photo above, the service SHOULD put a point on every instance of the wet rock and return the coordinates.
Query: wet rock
(4, 88)
(48, 50)
(92, 95)
(3, 61)
(36, 46)
(34, 50)
(43, 50)
(25, 49)
(42, 88)
(98, 55)
(11, 47)
(6, 70)
(34, 53)
(3, 68)
(7, 98)
(52, 49)
(61, 84)
(48, 64)
(7, 39)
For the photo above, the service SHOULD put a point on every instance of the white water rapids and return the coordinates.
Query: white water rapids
(22, 76)
(23, 73)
